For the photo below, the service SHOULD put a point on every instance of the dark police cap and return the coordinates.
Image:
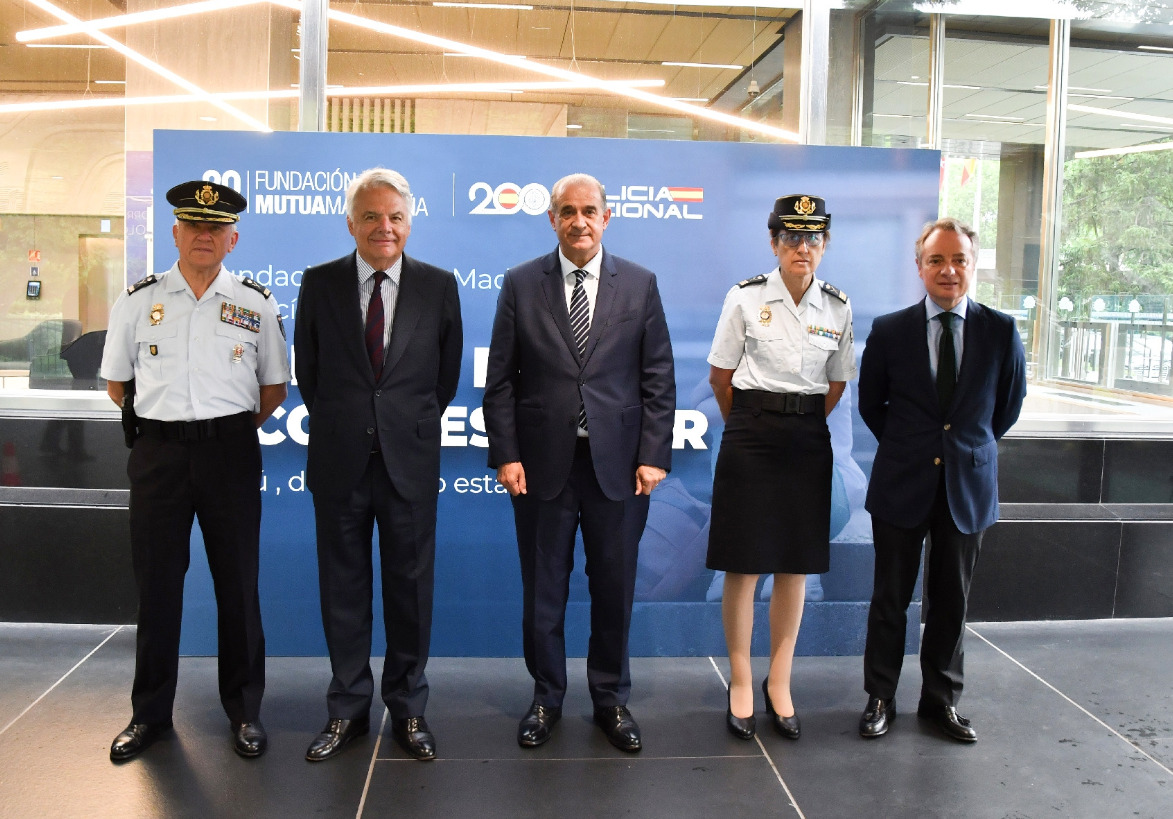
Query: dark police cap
(199, 201)
(800, 212)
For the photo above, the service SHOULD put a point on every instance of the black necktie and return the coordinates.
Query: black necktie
(374, 331)
(580, 324)
(946, 362)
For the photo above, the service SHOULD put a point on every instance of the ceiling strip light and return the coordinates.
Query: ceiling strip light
(614, 88)
(1138, 149)
(1155, 48)
(150, 65)
(1108, 112)
(507, 6)
(703, 65)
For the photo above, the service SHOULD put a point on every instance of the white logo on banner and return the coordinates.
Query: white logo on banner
(508, 198)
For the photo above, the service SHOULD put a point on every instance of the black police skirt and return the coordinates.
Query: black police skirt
(772, 494)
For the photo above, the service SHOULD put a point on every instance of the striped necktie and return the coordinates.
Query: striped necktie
(580, 323)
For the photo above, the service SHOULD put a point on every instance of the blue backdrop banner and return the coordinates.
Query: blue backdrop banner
(695, 213)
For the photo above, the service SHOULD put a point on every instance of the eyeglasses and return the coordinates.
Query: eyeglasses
(793, 239)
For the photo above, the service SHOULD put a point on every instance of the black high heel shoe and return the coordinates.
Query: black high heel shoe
(788, 727)
(740, 727)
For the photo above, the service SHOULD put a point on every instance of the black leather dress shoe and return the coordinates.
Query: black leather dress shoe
(876, 717)
(740, 727)
(334, 737)
(137, 737)
(788, 727)
(414, 736)
(620, 728)
(249, 739)
(949, 721)
(537, 725)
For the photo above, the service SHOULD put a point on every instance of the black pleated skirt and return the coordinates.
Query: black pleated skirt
(772, 494)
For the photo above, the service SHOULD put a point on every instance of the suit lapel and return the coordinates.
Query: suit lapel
(407, 313)
(918, 317)
(605, 301)
(555, 292)
(971, 349)
(345, 304)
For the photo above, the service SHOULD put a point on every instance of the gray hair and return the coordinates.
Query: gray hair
(950, 224)
(575, 179)
(378, 178)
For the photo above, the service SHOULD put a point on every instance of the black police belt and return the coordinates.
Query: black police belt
(197, 430)
(787, 403)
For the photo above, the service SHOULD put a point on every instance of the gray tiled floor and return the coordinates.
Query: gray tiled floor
(1075, 720)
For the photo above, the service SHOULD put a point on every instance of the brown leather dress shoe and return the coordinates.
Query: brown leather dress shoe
(952, 724)
(334, 737)
(414, 736)
(877, 716)
(537, 725)
(620, 728)
(249, 739)
(137, 737)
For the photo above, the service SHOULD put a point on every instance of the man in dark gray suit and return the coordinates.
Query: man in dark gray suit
(940, 382)
(579, 402)
(378, 347)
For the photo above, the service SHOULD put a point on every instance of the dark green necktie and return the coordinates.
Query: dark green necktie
(946, 362)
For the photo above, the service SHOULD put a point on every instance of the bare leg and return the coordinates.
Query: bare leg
(737, 616)
(785, 617)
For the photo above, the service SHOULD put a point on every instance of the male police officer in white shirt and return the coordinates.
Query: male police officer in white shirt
(202, 355)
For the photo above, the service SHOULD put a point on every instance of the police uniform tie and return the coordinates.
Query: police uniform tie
(580, 323)
(375, 321)
(946, 362)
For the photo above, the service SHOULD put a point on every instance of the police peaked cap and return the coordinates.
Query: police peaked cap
(199, 201)
(800, 212)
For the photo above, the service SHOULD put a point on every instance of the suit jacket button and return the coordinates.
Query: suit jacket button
(947, 426)
(380, 392)
(936, 461)
(371, 431)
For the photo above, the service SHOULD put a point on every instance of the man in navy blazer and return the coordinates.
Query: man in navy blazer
(937, 393)
(580, 397)
(378, 347)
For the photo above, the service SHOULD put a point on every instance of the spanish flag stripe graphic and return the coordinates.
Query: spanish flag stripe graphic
(687, 194)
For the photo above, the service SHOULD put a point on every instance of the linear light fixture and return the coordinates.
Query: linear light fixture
(150, 65)
(1100, 97)
(703, 65)
(507, 6)
(1109, 112)
(1136, 149)
(124, 20)
(94, 46)
(336, 91)
(1079, 88)
(1164, 49)
(536, 67)
(923, 84)
(995, 116)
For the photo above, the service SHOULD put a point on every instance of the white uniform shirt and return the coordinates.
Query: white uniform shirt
(773, 344)
(190, 359)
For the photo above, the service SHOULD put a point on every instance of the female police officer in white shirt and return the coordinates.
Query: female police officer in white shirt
(780, 360)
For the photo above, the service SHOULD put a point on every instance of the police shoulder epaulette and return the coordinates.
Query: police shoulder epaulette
(835, 291)
(260, 288)
(139, 285)
(755, 280)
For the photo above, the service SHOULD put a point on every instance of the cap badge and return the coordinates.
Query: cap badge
(804, 206)
(206, 196)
